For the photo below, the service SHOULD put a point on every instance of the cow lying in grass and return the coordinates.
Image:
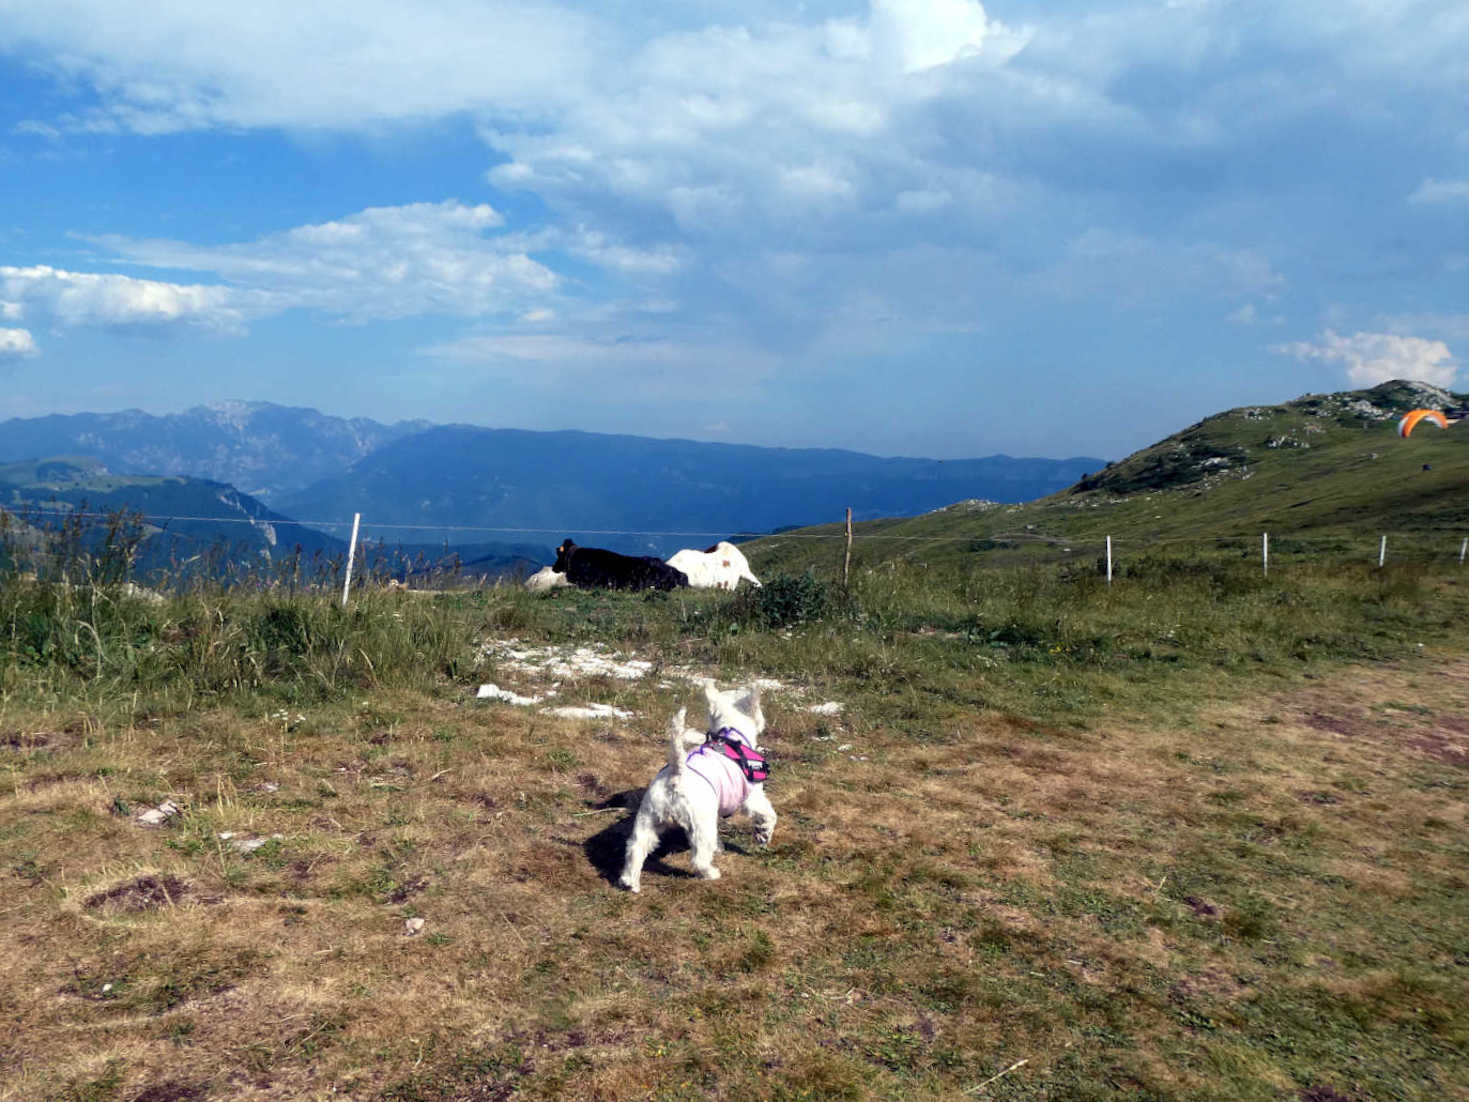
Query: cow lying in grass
(597, 568)
(718, 567)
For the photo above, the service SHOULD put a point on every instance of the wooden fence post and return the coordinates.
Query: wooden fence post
(1265, 551)
(1382, 552)
(351, 554)
(847, 560)
(1109, 560)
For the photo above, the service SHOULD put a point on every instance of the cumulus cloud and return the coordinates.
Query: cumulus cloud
(16, 344)
(333, 63)
(1372, 358)
(86, 298)
(383, 262)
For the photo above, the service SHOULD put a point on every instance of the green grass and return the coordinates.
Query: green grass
(1340, 482)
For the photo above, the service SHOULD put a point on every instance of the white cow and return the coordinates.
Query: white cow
(719, 567)
(546, 578)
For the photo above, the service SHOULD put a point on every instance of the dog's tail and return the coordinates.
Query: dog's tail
(676, 747)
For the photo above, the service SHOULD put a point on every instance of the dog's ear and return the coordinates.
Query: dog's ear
(711, 692)
(752, 706)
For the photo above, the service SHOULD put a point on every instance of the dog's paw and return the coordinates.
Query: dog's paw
(762, 837)
(711, 873)
(630, 885)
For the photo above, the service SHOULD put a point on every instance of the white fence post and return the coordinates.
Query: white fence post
(1109, 560)
(1382, 552)
(1265, 551)
(1462, 548)
(351, 554)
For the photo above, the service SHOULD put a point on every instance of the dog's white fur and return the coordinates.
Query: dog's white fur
(680, 797)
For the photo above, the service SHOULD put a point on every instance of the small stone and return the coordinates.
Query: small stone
(157, 816)
(246, 845)
(413, 926)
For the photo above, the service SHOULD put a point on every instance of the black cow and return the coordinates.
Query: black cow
(597, 568)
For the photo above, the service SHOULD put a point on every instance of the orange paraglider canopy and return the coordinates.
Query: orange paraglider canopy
(1410, 420)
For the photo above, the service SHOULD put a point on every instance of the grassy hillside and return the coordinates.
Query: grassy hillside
(1325, 473)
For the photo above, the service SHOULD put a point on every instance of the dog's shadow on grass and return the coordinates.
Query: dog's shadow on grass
(607, 849)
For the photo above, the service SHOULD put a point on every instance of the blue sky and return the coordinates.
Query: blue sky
(916, 227)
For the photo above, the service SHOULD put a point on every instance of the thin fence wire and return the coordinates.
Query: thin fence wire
(161, 520)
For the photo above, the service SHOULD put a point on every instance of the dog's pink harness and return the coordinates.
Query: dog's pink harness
(730, 765)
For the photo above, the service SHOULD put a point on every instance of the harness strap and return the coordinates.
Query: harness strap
(733, 746)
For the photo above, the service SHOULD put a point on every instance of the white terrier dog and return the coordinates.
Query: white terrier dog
(696, 789)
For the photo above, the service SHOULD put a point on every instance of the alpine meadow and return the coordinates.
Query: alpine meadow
(1081, 798)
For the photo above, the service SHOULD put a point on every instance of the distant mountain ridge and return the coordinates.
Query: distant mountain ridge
(186, 520)
(431, 484)
(266, 450)
(197, 527)
(636, 493)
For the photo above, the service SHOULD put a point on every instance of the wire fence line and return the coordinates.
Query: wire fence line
(1275, 544)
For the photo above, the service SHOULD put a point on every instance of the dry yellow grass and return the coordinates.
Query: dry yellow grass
(1260, 901)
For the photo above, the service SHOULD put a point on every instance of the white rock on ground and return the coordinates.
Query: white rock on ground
(491, 691)
(555, 664)
(588, 711)
(157, 816)
(246, 845)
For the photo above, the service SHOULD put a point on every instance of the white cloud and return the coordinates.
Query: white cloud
(16, 343)
(922, 34)
(1372, 358)
(194, 64)
(380, 263)
(383, 262)
(85, 298)
(1441, 191)
(773, 127)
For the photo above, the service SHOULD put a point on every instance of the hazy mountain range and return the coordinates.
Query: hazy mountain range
(416, 483)
(260, 448)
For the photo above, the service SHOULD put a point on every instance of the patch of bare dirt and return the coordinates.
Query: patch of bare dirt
(168, 1092)
(35, 740)
(142, 894)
